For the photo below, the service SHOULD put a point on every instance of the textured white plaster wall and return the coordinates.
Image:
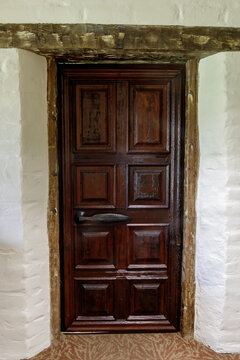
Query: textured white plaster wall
(34, 152)
(230, 330)
(12, 287)
(217, 322)
(211, 203)
(155, 12)
(24, 254)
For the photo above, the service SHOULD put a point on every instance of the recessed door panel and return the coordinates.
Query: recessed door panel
(149, 118)
(95, 117)
(147, 300)
(149, 186)
(94, 186)
(94, 248)
(148, 246)
(94, 300)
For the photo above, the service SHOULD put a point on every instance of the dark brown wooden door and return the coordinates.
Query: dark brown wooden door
(122, 152)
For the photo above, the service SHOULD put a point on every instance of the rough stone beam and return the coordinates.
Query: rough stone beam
(125, 42)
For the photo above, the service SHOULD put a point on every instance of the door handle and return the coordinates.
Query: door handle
(81, 217)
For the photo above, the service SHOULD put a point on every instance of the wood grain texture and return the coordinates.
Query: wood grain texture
(53, 205)
(120, 42)
(148, 186)
(189, 249)
(148, 246)
(94, 186)
(149, 102)
(94, 248)
(191, 166)
(94, 106)
(146, 263)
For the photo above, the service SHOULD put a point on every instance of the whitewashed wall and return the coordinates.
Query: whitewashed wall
(24, 254)
(34, 153)
(217, 322)
(230, 334)
(12, 287)
(151, 12)
(24, 292)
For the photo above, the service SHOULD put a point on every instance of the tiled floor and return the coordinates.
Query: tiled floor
(130, 347)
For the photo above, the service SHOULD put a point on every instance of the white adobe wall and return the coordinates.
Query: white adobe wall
(149, 12)
(230, 335)
(12, 287)
(24, 254)
(34, 152)
(217, 322)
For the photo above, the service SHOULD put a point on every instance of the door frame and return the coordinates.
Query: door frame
(191, 159)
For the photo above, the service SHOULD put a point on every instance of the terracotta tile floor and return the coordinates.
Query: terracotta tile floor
(130, 347)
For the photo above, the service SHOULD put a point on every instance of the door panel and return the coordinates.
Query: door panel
(146, 300)
(147, 246)
(122, 135)
(94, 186)
(95, 117)
(95, 300)
(148, 186)
(149, 118)
(94, 248)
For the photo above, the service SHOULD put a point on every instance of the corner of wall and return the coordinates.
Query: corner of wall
(230, 327)
(34, 153)
(218, 205)
(12, 286)
(211, 201)
(24, 253)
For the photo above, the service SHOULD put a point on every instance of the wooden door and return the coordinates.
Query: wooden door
(122, 134)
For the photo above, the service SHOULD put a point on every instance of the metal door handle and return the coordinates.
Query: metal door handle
(81, 217)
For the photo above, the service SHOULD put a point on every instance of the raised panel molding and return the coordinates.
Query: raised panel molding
(95, 300)
(148, 246)
(147, 299)
(149, 119)
(94, 248)
(94, 186)
(149, 186)
(95, 117)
